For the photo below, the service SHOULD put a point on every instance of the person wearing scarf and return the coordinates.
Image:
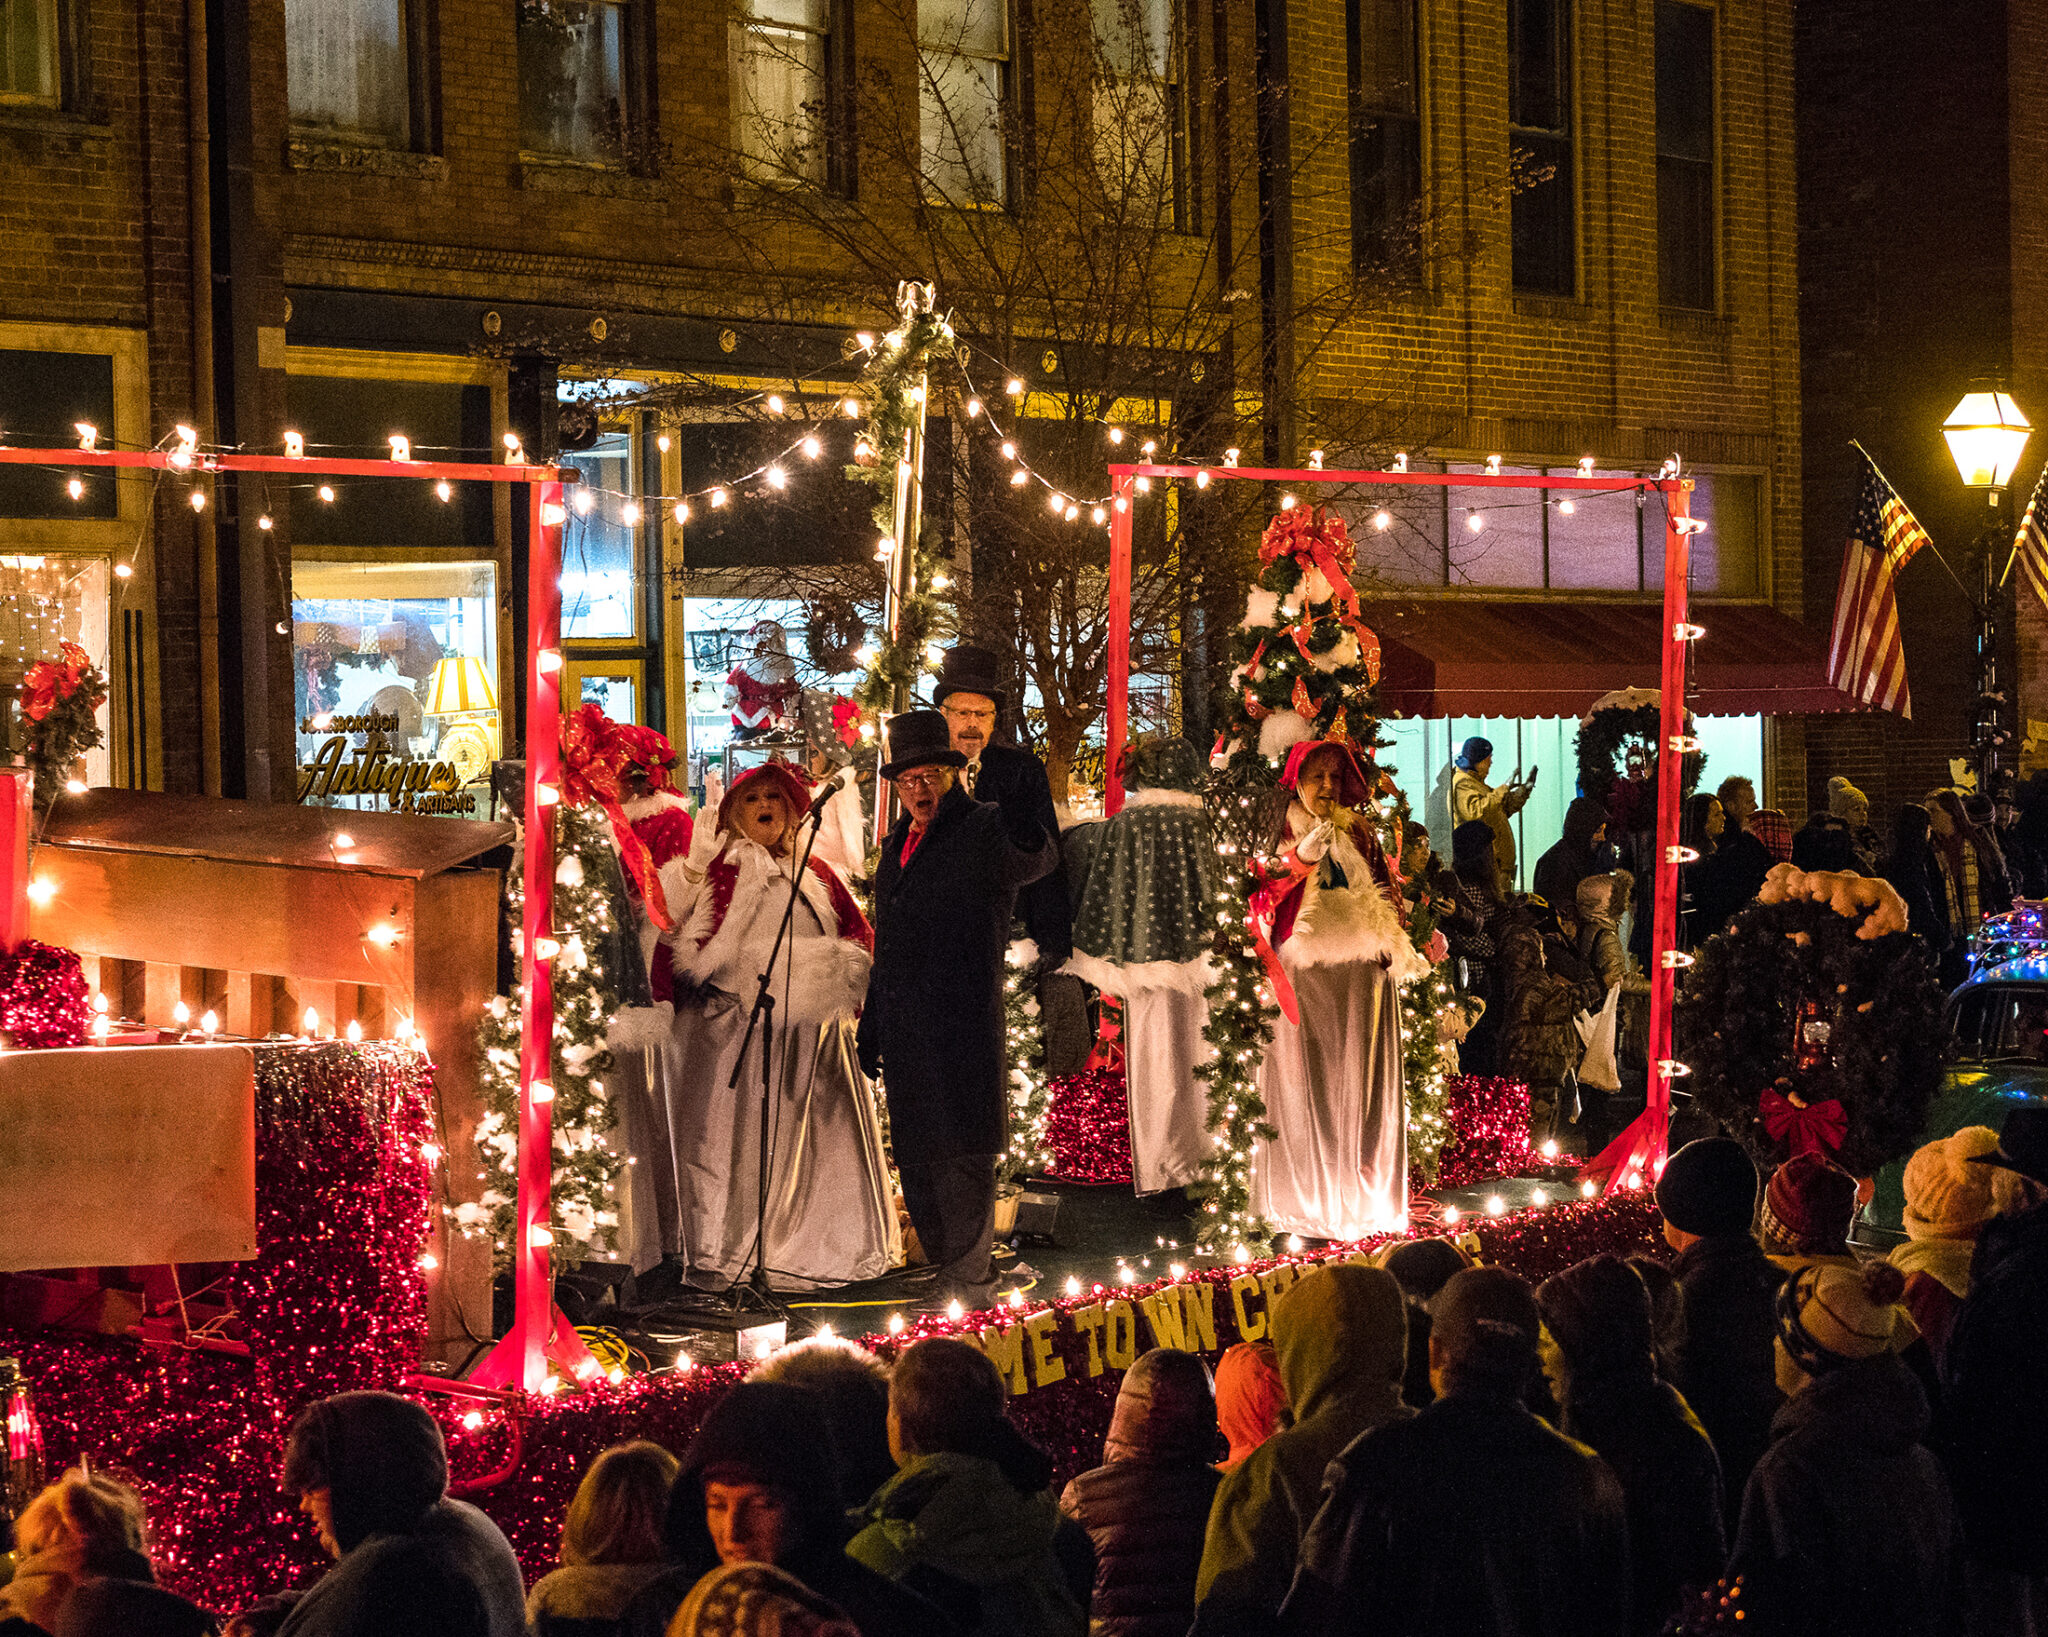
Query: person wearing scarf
(831, 1215)
(1337, 1164)
(1972, 874)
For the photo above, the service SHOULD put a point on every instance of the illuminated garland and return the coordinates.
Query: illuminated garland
(1024, 1051)
(586, 1167)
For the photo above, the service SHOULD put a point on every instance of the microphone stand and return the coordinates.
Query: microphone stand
(751, 1292)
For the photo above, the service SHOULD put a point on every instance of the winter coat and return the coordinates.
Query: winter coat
(1740, 864)
(1993, 1430)
(1538, 1044)
(1669, 1476)
(1341, 1339)
(954, 1528)
(1728, 1366)
(1573, 857)
(1847, 1524)
(934, 1014)
(412, 1561)
(1918, 878)
(1494, 805)
(1472, 1518)
(1937, 1279)
(588, 1599)
(1015, 781)
(94, 1591)
(1147, 1507)
(1251, 1402)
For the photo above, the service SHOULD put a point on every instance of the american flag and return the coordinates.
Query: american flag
(1867, 657)
(2030, 544)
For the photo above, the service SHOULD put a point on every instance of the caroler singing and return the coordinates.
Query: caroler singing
(1337, 952)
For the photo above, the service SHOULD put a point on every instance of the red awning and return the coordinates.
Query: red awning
(1470, 656)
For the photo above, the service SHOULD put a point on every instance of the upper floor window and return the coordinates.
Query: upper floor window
(1386, 129)
(1140, 132)
(964, 88)
(785, 99)
(1544, 227)
(28, 51)
(574, 64)
(347, 69)
(1685, 155)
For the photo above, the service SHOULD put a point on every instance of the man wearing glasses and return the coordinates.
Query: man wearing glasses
(932, 1027)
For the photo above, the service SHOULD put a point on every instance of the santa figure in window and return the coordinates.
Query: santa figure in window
(761, 691)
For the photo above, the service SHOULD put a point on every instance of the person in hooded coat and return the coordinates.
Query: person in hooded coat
(1329, 926)
(1471, 1517)
(371, 1470)
(1582, 850)
(1597, 1315)
(763, 1461)
(1422, 1267)
(1911, 867)
(1146, 1507)
(968, 1521)
(1341, 1337)
(1251, 1400)
(1847, 1524)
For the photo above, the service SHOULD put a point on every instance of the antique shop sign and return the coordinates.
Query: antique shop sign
(407, 786)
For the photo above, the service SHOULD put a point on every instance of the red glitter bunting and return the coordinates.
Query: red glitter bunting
(1489, 1131)
(43, 1000)
(1088, 1127)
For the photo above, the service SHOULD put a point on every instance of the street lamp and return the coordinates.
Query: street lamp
(1987, 433)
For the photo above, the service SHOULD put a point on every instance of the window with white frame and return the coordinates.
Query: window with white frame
(347, 69)
(964, 80)
(1139, 137)
(781, 89)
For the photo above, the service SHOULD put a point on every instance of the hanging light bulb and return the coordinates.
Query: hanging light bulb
(812, 448)
(1382, 520)
(1019, 478)
(76, 489)
(1475, 522)
(1567, 506)
(355, 1032)
(326, 493)
(973, 407)
(664, 443)
(777, 478)
(444, 490)
(682, 512)
(629, 514)
(775, 403)
(198, 499)
(718, 498)
(583, 502)
(1013, 388)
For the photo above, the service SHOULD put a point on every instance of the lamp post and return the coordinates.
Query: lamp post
(1986, 435)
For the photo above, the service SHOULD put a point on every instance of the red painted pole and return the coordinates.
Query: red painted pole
(1636, 1158)
(1121, 490)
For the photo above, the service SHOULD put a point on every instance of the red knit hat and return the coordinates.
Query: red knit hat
(1809, 1206)
(790, 780)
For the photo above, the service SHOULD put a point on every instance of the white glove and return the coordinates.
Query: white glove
(1311, 847)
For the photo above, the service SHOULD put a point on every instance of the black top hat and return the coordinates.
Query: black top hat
(918, 739)
(968, 669)
(2022, 1145)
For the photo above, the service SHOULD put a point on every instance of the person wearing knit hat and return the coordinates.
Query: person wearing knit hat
(1852, 807)
(1948, 1201)
(1474, 801)
(1707, 1195)
(1847, 1524)
(1809, 1207)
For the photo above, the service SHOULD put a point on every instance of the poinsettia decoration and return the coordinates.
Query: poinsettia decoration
(60, 699)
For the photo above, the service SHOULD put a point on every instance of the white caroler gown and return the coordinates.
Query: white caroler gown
(831, 1215)
(1337, 1167)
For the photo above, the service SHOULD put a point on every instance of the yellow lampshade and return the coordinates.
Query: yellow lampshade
(1986, 433)
(460, 683)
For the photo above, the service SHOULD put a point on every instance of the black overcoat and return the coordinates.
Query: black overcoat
(1015, 781)
(934, 1012)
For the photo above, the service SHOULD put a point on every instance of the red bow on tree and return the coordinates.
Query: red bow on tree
(1319, 542)
(49, 682)
(598, 754)
(1807, 1128)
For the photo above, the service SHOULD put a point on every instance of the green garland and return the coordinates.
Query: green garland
(588, 884)
(1598, 749)
(1239, 1029)
(1735, 1014)
(1029, 1096)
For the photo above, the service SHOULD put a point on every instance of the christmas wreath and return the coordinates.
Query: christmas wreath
(1813, 1024)
(1617, 753)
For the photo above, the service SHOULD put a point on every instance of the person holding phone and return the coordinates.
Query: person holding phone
(1472, 798)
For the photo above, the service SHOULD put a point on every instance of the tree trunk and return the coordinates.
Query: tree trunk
(1063, 730)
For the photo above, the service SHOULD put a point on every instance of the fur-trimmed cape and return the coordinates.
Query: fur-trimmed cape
(730, 927)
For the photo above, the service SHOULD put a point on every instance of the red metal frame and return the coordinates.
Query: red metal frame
(539, 1333)
(1638, 1154)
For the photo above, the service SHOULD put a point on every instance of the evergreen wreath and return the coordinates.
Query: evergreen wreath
(1599, 745)
(1738, 1007)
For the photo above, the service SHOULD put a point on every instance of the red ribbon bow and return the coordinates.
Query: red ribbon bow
(1808, 1128)
(1316, 541)
(597, 755)
(48, 682)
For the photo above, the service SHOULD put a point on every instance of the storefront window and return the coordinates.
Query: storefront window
(45, 601)
(598, 542)
(725, 634)
(396, 684)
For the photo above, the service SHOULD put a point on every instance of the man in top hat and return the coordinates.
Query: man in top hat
(933, 1023)
(1991, 1427)
(967, 693)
